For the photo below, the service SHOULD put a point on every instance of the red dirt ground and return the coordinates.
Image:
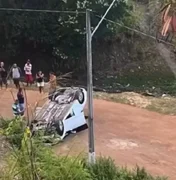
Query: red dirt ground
(129, 135)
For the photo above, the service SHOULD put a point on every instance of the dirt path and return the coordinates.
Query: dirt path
(7, 99)
(129, 135)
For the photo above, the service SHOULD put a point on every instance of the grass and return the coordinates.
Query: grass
(164, 105)
(158, 84)
(140, 82)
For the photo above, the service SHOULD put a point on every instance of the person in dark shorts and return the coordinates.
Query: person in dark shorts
(3, 75)
(16, 73)
(40, 81)
(20, 98)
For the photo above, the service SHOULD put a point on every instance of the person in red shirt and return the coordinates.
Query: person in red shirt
(28, 72)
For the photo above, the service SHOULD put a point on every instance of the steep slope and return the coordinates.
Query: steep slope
(168, 56)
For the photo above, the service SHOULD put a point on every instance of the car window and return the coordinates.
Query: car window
(70, 115)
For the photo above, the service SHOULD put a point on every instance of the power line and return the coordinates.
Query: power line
(137, 31)
(43, 10)
(102, 18)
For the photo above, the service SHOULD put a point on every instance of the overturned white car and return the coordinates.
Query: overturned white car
(64, 112)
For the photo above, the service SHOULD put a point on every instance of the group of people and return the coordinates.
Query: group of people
(19, 105)
(16, 74)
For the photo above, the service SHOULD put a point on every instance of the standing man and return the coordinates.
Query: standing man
(53, 84)
(16, 73)
(28, 72)
(3, 75)
(40, 81)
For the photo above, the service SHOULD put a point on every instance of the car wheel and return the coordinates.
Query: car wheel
(59, 125)
(80, 96)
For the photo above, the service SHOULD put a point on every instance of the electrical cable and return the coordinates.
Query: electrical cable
(43, 10)
(136, 31)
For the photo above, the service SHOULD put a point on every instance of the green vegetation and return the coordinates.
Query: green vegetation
(57, 41)
(13, 130)
(156, 83)
(58, 36)
(34, 161)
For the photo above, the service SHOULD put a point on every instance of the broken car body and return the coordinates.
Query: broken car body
(64, 111)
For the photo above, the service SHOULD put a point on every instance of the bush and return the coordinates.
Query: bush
(4, 123)
(105, 169)
(31, 160)
(13, 130)
(39, 162)
(43, 164)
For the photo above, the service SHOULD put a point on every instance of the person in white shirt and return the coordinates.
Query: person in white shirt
(16, 74)
(28, 72)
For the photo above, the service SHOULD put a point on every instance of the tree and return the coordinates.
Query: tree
(61, 36)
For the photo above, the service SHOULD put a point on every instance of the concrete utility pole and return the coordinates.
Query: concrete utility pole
(90, 88)
(89, 36)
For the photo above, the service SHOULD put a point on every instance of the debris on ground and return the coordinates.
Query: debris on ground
(130, 98)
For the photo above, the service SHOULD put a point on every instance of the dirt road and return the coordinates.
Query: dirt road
(129, 135)
(7, 99)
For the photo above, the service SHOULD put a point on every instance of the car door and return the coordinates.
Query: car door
(75, 118)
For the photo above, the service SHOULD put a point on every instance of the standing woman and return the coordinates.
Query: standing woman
(40, 81)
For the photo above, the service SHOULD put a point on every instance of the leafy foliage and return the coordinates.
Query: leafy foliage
(105, 169)
(59, 35)
(34, 161)
(47, 166)
(13, 130)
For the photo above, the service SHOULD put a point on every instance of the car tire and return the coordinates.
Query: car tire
(80, 96)
(59, 125)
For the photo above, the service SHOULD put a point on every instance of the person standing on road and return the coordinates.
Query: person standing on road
(40, 81)
(20, 98)
(3, 75)
(16, 74)
(28, 72)
(53, 84)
